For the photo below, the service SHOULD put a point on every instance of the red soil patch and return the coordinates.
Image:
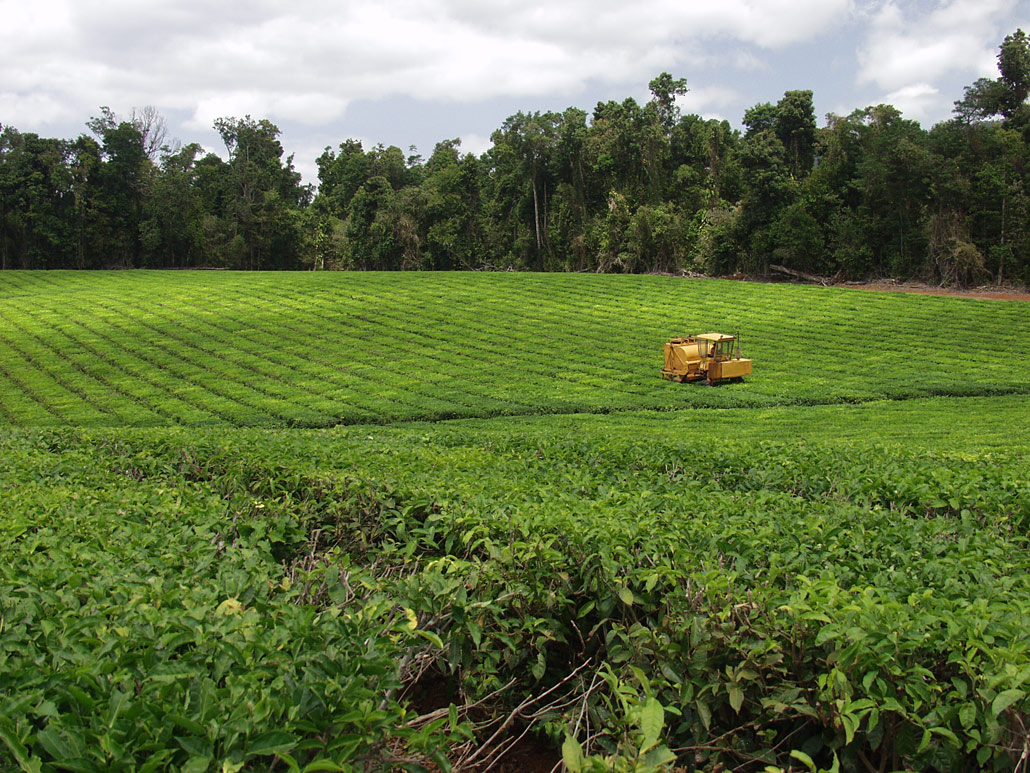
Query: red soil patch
(986, 292)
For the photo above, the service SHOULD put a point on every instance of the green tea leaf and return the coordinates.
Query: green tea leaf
(21, 755)
(704, 713)
(272, 742)
(652, 719)
(967, 715)
(658, 758)
(431, 637)
(736, 697)
(1005, 699)
(804, 759)
(572, 754)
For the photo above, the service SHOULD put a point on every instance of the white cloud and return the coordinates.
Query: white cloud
(476, 144)
(309, 109)
(918, 101)
(904, 48)
(748, 61)
(306, 61)
(46, 107)
(706, 99)
(766, 23)
(303, 64)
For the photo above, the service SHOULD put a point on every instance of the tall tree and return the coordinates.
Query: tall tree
(1014, 65)
(267, 193)
(523, 152)
(340, 174)
(795, 128)
(769, 185)
(173, 231)
(894, 176)
(153, 130)
(664, 90)
(35, 201)
(1006, 95)
(370, 231)
(452, 208)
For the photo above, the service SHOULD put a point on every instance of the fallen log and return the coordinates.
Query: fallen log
(799, 274)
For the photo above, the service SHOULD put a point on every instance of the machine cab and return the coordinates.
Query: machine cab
(716, 345)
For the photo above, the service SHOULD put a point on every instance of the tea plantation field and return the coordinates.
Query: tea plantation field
(317, 350)
(445, 521)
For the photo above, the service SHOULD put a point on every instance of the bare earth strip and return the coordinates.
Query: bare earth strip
(985, 292)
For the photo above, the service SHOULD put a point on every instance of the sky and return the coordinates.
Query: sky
(415, 72)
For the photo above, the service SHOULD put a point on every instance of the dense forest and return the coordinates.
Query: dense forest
(630, 187)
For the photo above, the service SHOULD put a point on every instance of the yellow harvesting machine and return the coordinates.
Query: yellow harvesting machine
(713, 357)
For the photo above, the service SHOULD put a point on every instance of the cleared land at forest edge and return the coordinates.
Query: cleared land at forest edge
(833, 562)
(316, 350)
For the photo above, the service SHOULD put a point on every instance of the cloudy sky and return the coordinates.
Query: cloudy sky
(413, 72)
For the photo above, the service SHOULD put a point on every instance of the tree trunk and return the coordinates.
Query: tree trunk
(1001, 254)
(536, 210)
(798, 274)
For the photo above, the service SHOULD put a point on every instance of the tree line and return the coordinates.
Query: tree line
(630, 187)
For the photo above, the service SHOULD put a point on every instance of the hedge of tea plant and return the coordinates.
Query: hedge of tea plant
(224, 599)
(149, 622)
(317, 350)
(235, 532)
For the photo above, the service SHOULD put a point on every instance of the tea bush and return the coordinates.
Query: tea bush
(177, 597)
(317, 350)
(826, 566)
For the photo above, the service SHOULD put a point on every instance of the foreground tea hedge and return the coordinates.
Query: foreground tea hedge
(740, 588)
